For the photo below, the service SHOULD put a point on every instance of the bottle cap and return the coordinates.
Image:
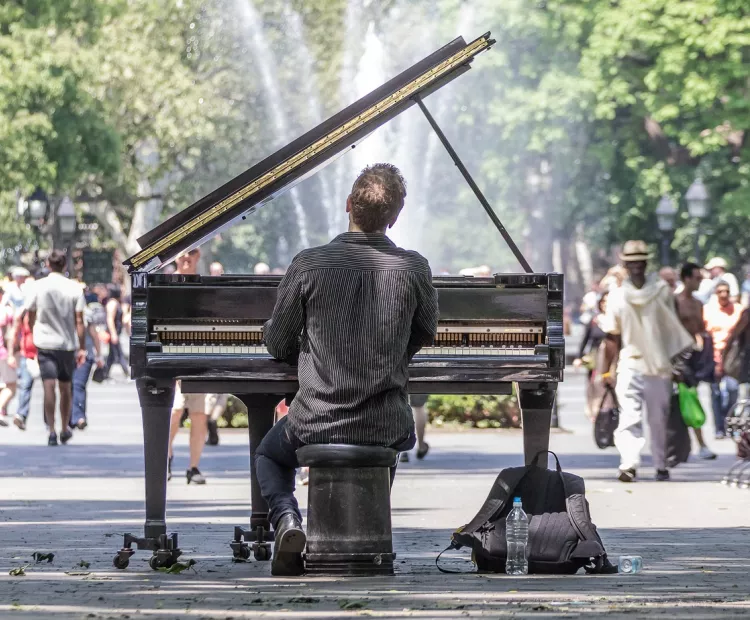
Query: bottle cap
(516, 500)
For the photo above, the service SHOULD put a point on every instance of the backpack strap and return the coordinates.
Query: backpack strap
(503, 487)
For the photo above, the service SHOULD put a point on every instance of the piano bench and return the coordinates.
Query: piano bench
(348, 509)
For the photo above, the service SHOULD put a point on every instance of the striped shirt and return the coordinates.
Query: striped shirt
(352, 313)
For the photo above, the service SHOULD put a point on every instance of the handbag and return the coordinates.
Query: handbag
(32, 367)
(732, 359)
(607, 420)
(690, 407)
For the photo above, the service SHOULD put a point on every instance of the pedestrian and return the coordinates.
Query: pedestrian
(114, 327)
(13, 292)
(93, 317)
(196, 405)
(418, 403)
(722, 315)
(8, 377)
(23, 357)
(717, 269)
(589, 304)
(216, 269)
(55, 305)
(701, 362)
(644, 335)
(669, 275)
(351, 314)
(216, 404)
(261, 269)
(745, 288)
(588, 354)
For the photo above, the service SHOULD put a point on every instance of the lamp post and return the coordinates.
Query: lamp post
(697, 205)
(66, 226)
(35, 208)
(665, 214)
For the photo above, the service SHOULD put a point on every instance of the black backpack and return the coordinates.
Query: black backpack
(562, 538)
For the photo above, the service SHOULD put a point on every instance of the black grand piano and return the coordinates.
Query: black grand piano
(207, 331)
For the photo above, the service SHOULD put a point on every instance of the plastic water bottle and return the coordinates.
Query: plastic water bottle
(516, 539)
(630, 564)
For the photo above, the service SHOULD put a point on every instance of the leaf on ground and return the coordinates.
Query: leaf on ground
(84, 564)
(42, 557)
(352, 604)
(19, 571)
(304, 600)
(178, 567)
(77, 573)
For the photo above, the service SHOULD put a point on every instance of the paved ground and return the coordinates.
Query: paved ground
(77, 500)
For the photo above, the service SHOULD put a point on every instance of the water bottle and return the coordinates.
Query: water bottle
(630, 564)
(516, 539)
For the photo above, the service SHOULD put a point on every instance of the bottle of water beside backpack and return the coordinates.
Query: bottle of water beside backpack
(516, 540)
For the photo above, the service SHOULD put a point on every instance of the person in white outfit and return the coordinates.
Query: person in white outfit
(645, 335)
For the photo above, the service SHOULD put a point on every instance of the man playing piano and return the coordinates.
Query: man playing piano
(351, 314)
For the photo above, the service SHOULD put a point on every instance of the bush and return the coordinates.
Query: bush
(474, 411)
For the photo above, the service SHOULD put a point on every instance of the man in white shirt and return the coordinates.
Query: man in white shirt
(717, 268)
(642, 326)
(55, 305)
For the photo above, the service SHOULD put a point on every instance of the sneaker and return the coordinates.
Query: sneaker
(194, 475)
(662, 475)
(20, 422)
(720, 435)
(404, 458)
(626, 475)
(422, 452)
(706, 454)
(65, 436)
(52, 441)
(169, 469)
(3, 418)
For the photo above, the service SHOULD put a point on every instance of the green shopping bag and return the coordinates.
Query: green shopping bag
(690, 407)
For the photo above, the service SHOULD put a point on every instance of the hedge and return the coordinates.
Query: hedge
(466, 411)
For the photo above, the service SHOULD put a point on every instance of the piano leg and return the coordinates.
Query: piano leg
(258, 539)
(536, 401)
(156, 400)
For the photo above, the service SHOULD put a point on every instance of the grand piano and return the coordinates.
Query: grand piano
(207, 331)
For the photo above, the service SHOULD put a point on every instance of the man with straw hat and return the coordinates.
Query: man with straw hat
(644, 337)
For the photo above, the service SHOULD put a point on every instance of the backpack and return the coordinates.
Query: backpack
(562, 538)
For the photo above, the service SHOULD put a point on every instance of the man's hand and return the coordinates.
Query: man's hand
(12, 361)
(577, 362)
(80, 357)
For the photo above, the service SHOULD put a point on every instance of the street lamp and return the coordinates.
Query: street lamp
(666, 211)
(697, 205)
(66, 218)
(37, 207)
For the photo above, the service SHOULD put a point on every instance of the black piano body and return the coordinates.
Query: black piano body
(206, 332)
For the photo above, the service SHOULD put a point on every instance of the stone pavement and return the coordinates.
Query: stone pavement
(77, 500)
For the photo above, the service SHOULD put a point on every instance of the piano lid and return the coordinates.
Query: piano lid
(307, 154)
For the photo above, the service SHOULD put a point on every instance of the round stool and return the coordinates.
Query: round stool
(348, 509)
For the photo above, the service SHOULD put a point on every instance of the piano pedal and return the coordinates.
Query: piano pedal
(165, 548)
(258, 541)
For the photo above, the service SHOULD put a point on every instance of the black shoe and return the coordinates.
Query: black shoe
(195, 476)
(169, 468)
(20, 423)
(288, 547)
(662, 475)
(422, 452)
(213, 433)
(3, 418)
(404, 458)
(65, 436)
(626, 475)
(52, 441)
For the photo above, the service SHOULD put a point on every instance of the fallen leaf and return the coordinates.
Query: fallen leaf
(77, 573)
(19, 571)
(84, 564)
(352, 604)
(41, 557)
(178, 567)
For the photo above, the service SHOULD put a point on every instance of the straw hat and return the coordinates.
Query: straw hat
(717, 261)
(633, 251)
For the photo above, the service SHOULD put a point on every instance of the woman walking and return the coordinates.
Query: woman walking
(587, 356)
(114, 327)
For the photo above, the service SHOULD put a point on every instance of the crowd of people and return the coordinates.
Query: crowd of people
(55, 329)
(645, 332)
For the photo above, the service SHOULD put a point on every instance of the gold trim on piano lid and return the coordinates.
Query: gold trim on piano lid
(288, 165)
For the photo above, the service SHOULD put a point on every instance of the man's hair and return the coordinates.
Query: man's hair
(377, 196)
(56, 261)
(688, 269)
(722, 283)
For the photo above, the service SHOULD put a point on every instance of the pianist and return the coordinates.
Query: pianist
(351, 313)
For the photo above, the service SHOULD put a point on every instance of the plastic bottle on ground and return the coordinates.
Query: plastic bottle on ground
(517, 539)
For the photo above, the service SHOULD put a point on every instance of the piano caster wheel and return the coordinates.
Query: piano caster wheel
(240, 552)
(262, 552)
(159, 560)
(122, 559)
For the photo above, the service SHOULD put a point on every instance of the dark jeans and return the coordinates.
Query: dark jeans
(80, 379)
(25, 383)
(116, 356)
(723, 400)
(275, 464)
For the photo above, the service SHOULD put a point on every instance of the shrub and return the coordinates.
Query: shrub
(474, 411)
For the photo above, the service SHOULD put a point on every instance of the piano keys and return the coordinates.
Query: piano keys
(207, 332)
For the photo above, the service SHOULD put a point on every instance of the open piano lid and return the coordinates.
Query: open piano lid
(307, 154)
